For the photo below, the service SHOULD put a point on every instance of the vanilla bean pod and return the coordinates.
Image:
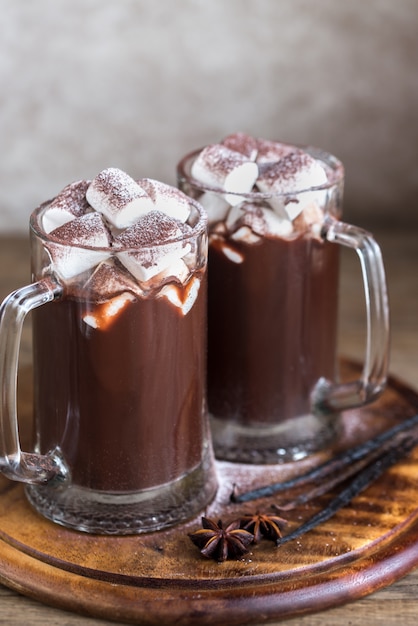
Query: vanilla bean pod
(335, 464)
(363, 480)
(327, 485)
(346, 472)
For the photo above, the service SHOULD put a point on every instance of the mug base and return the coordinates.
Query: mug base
(149, 510)
(291, 440)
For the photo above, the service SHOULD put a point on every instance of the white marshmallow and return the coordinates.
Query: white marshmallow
(262, 221)
(110, 279)
(72, 246)
(178, 271)
(218, 166)
(312, 217)
(54, 218)
(215, 206)
(231, 253)
(144, 266)
(277, 225)
(146, 252)
(118, 197)
(70, 262)
(243, 143)
(293, 176)
(304, 201)
(104, 314)
(182, 298)
(70, 203)
(236, 214)
(245, 235)
(270, 151)
(167, 199)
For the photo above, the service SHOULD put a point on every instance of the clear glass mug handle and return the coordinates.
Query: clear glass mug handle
(329, 396)
(14, 463)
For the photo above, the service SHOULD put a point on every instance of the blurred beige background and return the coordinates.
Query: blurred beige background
(86, 84)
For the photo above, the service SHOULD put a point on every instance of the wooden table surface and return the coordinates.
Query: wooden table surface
(390, 606)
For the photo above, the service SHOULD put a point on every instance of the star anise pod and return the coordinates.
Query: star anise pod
(219, 543)
(260, 525)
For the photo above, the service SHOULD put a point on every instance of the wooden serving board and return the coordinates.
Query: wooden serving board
(161, 578)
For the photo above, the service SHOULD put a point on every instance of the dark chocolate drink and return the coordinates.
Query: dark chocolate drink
(272, 333)
(127, 404)
(273, 293)
(120, 355)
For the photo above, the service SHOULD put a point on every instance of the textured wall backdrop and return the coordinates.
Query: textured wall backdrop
(86, 84)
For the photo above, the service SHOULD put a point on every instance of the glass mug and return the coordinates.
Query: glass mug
(273, 393)
(122, 442)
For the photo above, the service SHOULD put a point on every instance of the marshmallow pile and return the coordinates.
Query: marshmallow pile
(242, 164)
(119, 238)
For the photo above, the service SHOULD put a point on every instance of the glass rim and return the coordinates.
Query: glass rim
(332, 162)
(197, 230)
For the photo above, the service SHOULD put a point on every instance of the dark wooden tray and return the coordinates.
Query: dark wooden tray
(161, 578)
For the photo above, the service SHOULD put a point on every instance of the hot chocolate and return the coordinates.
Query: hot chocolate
(134, 385)
(119, 357)
(276, 364)
(273, 292)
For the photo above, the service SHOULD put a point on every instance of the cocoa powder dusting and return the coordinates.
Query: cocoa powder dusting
(154, 187)
(242, 143)
(87, 230)
(252, 216)
(73, 198)
(287, 167)
(152, 229)
(220, 160)
(118, 186)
